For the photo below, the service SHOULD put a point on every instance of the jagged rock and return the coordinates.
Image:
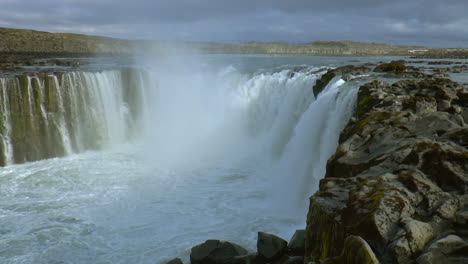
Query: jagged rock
(321, 83)
(397, 176)
(449, 250)
(271, 247)
(175, 261)
(412, 239)
(296, 245)
(215, 251)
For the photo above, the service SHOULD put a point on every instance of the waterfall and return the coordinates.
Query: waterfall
(52, 115)
(209, 118)
(6, 147)
(219, 151)
(315, 139)
(268, 118)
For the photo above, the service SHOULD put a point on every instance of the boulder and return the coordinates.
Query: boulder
(271, 247)
(296, 246)
(175, 261)
(396, 67)
(355, 251)
(215, 251)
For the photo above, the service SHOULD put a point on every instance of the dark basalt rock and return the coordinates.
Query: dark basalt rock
(215, 252)
(321, 83)
(175, 261)
(296, 245)
(394, 66)
(397, 179)
(271, 247)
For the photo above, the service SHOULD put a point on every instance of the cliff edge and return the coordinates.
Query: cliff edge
(397, 186)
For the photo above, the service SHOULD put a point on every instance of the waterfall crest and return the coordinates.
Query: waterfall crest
(52, 115)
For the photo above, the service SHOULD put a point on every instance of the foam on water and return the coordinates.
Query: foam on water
(219, 154)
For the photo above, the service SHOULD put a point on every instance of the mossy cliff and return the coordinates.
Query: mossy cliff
(45, 114)
(396, 190)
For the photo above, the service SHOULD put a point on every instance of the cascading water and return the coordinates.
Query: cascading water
(217, 153)
(55, 115)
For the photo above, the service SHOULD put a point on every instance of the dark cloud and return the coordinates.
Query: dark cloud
(424, 22)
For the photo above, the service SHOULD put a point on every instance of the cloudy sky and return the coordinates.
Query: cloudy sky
(422, 22)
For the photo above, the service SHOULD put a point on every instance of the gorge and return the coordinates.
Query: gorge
(139, 160)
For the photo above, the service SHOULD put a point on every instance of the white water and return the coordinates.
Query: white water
(6, 136)
(221, 155)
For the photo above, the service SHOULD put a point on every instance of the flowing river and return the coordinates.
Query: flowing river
(214, 146)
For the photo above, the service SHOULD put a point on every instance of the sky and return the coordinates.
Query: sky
(415, 22)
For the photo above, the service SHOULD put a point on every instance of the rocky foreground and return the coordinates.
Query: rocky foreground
(395, 191)
(398, 180)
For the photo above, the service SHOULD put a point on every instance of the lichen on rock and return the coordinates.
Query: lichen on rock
(398, 175)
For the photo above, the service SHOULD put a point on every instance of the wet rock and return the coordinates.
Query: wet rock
(321, 83)
(271, 247)
(175, 261)
(296, 246)
(215, 251)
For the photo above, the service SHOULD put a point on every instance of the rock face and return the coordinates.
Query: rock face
(398, 181)
(216, 251)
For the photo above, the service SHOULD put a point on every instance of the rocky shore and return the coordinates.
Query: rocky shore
(399, 178)
(395, 191)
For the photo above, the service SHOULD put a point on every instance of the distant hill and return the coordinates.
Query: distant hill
(40, 43)
(338, 48)
(31, 41)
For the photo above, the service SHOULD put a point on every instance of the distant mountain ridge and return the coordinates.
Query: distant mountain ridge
(24, 41)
